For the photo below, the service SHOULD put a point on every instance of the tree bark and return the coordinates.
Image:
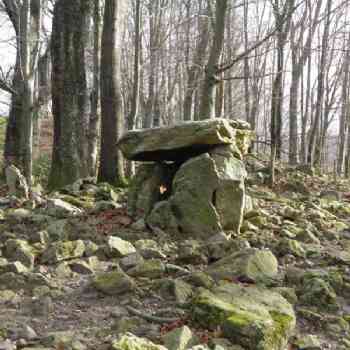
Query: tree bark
(69, 92)
(207, 103)
(111, 162)
(95, 120)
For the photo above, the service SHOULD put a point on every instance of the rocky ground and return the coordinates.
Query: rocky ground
(76, 272)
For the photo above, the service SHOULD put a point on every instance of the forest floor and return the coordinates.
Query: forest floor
(58, 266)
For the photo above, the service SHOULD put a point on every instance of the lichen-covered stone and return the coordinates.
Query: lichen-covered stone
(113, 283)
(184, 140)
(118, 248)
(20, 250)
(178, 339)
(149, 249)
(316, 291)
(153, 268)
(60, 251)
(129, 341)
(254, 264)
(207, 196)
(58, 208)
(253, 317)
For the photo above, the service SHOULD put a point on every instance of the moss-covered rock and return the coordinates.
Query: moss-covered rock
(318, 292)
(118, 248)
(20, 250)
(253, 317)
(178, 339)
(129, 341)
(291, 246)
(113, 283)
(254, 264)
(153, 268)
(60, 251)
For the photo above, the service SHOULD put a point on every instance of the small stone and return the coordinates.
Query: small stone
(15, 267)
(308, 342)
(178, 339)
(113, 283)
(83, 267)
(43, 306)
(58, 208)
(149, 249)
(119, 248)
(91, 248)
(153, 268)
(131, 261)
(7, 345)
(20, 250)
(40, 237)
(252, 264)
(139, 225)
(60, 251)
(132, 342)
(28, 333)
(7, 296)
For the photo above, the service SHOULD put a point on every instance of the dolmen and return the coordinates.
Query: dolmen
(191, 180)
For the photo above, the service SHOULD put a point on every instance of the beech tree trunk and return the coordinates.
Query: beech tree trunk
(112, 112)
(69, 92)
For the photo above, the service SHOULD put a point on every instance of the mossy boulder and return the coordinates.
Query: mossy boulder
(251, 263)
(113, 283)
(60, 251)
(317, 292)
(20, 250)
(254, 317)
(129, 341)
(207, 196)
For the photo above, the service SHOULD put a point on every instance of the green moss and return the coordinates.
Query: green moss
(81, 202)
(283, 325)
(209, 311)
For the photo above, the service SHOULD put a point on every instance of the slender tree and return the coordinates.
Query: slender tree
(69, 91)
(112, 112)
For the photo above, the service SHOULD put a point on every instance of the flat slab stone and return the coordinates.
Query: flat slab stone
(186, 140)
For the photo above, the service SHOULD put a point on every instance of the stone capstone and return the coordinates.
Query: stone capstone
(186, 140)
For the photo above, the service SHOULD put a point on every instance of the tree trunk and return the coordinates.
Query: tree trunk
(69, 92)
(26, 19)
(111, 162)
(320, 88)
(207, 103)
(198, 62)
(94, 122)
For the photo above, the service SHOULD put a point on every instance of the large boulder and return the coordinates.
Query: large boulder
(207, 196)
(253, 317)
(186, 140)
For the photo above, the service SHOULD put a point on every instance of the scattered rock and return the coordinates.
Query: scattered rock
(118, 248)
(253, 317)
(178, 339)
(250, 264)
(66, 250)
(113, 283)
(129, 341)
